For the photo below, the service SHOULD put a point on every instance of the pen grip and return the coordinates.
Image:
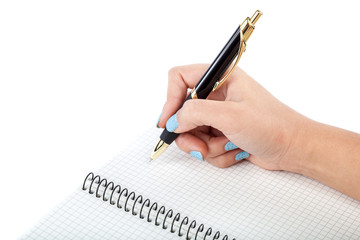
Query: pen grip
(169, 137)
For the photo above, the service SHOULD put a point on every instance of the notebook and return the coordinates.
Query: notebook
(179, 197)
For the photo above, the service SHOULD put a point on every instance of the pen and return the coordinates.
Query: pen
(213, 77)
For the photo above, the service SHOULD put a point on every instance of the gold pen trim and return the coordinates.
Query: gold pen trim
(246, 29)
(235, 62)
(193, 94)
(160, 147)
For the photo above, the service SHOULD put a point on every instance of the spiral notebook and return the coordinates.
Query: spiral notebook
(179, 197)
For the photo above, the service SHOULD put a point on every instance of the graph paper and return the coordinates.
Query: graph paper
(241, 202)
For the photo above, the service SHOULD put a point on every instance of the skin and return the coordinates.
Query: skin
(276, 136)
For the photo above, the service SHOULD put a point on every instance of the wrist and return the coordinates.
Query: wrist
(298, 149)
(327, 154)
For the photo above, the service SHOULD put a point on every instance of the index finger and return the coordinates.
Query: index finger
(180, 79)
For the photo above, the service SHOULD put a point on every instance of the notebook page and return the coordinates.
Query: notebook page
(83, 216)
(243, 201)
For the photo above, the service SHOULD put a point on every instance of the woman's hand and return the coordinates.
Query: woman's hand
(239, 120)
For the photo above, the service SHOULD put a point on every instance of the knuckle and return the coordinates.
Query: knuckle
(221, 162)
(173, 72)
(174, 69)
(192, 107)
(189, 105)
(180, 141)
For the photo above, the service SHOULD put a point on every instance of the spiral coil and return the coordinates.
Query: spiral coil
(144, 208)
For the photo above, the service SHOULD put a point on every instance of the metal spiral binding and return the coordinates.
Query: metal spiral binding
(105, 188)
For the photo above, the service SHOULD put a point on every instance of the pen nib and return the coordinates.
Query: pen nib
(159, 149)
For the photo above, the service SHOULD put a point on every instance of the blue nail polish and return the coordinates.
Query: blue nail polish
(197, 155)
(241, 155)
(230, 146)
(157, 123)
(172, 123)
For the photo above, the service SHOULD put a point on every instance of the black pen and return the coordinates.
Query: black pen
(213, 77)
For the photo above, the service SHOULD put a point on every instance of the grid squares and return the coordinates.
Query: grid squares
(243, 201)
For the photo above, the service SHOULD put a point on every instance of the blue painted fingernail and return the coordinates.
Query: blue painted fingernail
(241, 155)
(230, 146)
(157, 123)
(197, 155)
(172, 123)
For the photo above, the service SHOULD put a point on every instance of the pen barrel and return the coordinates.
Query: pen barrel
(219, 66)
(211, 76)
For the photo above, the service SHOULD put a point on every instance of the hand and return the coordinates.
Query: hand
(241, 114)
(241, 120)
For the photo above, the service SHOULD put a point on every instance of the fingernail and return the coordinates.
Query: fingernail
(230, 146)
(241, 155)
(197, 155)
(172, 123)
(157, 123)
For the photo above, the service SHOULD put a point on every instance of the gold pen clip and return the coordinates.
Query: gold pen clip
(246, 29)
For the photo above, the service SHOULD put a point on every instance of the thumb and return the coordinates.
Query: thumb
(200, 112)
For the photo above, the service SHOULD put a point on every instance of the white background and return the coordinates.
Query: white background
(79, 80)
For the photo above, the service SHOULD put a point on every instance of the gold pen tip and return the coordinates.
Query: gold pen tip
(160, 147)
